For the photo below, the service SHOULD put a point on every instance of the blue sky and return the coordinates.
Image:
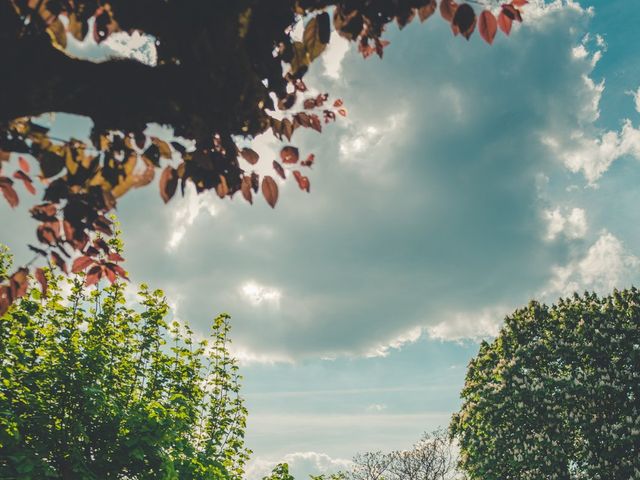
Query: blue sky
(466, 180)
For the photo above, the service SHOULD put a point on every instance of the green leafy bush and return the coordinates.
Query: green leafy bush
(92, 388)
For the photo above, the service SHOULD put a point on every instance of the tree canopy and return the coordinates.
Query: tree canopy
(557, 394)
(225, 70)
(94, 388)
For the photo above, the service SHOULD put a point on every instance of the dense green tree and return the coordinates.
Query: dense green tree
(557, 394)
(92, 388)
(225, 70)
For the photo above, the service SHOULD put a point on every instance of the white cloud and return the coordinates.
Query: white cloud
(301, 465)
(396, 343)
(334, 54)
(594, 155)
(257, 294)
(573, 224)
(376, 407)
(475, 326)
(137, 46)
(636, 99)
(606, 264)
(186, 210)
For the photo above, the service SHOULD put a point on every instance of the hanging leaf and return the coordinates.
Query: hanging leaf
(487, 26)
(57, 260)
(109, 272)
(9, 192)
(222, 189)
(270, 190)
(289, 154)
(250, 155)
(303, 182)
(28, 183)
(504, 22)
(119, 271)
(287, 128)
(448, 9)
(168, 183)
(465, 20)
(312, 40)
(42, 280)
(512, 12)
(163, 148)
(24, 165)
(81, 263)
(115, 257)
(309, 161)
(245, 188)
(427, 10)
(19, 282)
(94, 275)
(279, 170)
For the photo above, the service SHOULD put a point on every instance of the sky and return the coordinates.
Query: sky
(465, 181)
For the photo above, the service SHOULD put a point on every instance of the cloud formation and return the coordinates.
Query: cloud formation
(424, 209)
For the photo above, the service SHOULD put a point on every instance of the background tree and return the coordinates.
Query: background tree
(431, 458)
(224, 71)
(91, 388)
(556, 395)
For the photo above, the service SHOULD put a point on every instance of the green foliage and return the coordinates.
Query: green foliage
(91, 388)
(556, 395)
(280, 472)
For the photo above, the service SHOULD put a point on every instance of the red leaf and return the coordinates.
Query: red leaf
(94, 275)
(448, 9)
(42, 280)
(168, 183)
(44, 212)
(316, 124)
(290, 155)
(250, 155)
(303, 182)
(102, 224)
(245, 187)
(28, 183)
(81, 263)
(487, 26)
(111, 274)
(504, 23)
(309, 161)
(115, 257)
(270, 190)
(465, 20)
(58, 261)
(512, 12)
(19, 282)
(279, 170)
(120, 271)
(46, 234)
(24, 165)
(9, 192)
(519, 3)
(427, 10)
(338, 103)
(100, 243)
(5, 299)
